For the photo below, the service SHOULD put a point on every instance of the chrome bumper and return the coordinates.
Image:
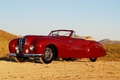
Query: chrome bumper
(25, 55)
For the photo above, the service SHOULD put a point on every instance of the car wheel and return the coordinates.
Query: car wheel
(47, 56)
(21, 59)
(93, 59)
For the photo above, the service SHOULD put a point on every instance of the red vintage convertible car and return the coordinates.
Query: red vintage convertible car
(58, 44)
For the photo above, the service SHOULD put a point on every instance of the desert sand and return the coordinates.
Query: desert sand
(60, 70)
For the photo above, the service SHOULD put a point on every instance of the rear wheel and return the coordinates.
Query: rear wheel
(21, 59)
(47, 56)
(93, 59)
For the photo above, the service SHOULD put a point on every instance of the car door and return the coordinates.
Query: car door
(64, 47)
(78, 47)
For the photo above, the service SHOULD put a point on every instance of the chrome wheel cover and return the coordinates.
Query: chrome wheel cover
(48, 54)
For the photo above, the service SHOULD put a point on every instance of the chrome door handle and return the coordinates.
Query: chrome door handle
(70, 41)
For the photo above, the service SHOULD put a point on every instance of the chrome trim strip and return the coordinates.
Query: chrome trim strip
(27, 55)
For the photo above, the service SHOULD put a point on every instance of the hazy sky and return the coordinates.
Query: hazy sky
(97, 18)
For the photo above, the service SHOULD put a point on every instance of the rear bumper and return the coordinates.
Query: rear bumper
(25, 55)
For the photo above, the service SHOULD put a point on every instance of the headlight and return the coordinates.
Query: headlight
(26, 51)
(17, 49)
(31, 47)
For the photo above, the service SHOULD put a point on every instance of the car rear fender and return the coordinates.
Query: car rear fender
(95, 50)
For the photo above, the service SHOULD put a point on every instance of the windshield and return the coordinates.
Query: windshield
(60, 33)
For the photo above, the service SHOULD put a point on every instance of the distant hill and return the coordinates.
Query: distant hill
(108, 41)
(5, 38)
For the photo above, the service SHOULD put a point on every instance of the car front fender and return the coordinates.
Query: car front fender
(12, 45)
(41, 44)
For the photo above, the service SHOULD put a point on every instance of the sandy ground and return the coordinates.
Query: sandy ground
(59, 70)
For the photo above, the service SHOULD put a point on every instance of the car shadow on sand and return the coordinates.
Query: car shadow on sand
(11, 59)
(7, 58)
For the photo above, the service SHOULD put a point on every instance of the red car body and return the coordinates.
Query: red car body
(58, 44)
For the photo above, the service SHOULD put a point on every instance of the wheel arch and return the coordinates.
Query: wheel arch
(54, 49)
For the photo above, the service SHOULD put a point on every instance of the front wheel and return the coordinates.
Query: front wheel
(47, 56)
(93, 59)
